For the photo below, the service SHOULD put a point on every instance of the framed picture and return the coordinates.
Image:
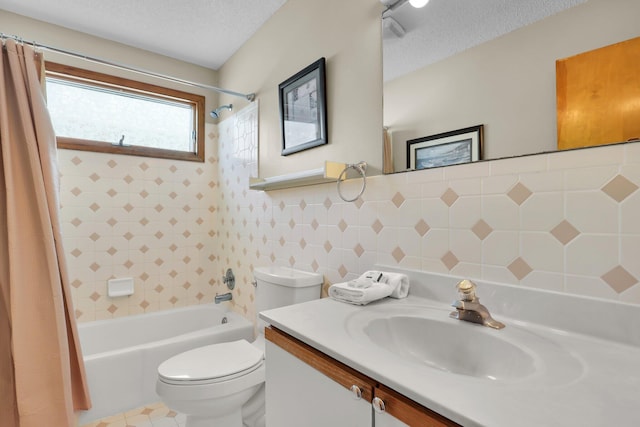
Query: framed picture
(303, 109)
(448, 148)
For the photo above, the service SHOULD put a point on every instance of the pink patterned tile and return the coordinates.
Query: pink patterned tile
(449, 260)
(422, 227)
(449, 197)
(482, 229)
(519, 193)
(398, 199)
(619, 188)
(619, 279)
(377, 226)
(398, 254)
(519, 268)
(565, 232)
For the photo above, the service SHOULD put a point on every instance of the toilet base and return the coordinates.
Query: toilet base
(254, 410)
(213, 405)
(232, 419)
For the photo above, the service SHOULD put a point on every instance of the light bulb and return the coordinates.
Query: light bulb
(418, 3)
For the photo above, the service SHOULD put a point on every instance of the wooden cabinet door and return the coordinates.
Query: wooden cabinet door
(387, 420)
(400, 411)
(307, 388)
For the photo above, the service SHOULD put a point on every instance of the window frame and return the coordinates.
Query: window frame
(75, 74)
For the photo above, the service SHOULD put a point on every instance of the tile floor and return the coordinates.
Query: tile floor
(153, 415)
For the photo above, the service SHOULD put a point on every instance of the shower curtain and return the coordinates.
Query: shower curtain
(41, 370)
(387, 152)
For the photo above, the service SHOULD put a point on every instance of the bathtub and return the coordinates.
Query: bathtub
(122, 355)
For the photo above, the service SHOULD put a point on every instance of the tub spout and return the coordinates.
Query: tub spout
(223, 297)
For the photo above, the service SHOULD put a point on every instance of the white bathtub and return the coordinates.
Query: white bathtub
(122, 355)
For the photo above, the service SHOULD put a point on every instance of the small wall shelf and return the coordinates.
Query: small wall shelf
(328, 173)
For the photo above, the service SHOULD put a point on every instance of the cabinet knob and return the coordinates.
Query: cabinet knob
(378, 405)
(357, 393)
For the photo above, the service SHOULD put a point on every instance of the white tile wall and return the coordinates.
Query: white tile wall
(150, 219)
(546, 221)
(561, 221)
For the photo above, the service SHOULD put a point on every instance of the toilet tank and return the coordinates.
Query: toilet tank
(281, 286)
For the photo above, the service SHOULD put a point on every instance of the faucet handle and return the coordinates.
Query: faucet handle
(467, 290)
(229, 279)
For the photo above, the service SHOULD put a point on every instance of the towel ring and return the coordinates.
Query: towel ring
(359, 167)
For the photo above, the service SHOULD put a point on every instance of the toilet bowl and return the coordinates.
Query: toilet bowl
(222, 385)
(211, 384)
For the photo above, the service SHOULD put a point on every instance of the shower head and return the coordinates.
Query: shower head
(216, 113)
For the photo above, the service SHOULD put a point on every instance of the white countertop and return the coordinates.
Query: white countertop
(600, 388)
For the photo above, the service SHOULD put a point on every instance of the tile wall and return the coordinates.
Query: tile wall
(566, 222)
(150, 219)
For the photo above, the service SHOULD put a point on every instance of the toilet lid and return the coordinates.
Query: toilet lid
(213, 362)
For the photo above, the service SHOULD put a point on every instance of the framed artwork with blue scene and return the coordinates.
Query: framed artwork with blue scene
(447, 148)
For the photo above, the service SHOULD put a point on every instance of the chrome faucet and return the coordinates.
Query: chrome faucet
(468, 307)
(224, 297)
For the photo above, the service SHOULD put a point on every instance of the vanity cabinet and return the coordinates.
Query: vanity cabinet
(303, 388)
(306, 387)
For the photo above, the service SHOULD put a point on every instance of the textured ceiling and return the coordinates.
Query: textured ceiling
(203, 32)
(208, 32)
(445, 27)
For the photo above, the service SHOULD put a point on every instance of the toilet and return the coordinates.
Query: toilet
(222, 385)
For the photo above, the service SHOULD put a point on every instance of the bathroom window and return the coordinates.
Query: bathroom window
(97, 112)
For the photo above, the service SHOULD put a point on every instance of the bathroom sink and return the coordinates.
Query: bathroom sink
(451, 346)
(426, 337)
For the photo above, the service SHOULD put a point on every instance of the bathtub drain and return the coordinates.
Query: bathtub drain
(225, 320)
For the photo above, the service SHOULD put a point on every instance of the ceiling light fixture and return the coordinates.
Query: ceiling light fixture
(418, 3)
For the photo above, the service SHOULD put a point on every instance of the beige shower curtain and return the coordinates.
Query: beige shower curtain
(41, 371)
(387, 152)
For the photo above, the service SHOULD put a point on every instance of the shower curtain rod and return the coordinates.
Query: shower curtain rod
(249, 97)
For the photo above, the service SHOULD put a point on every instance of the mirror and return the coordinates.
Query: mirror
(455, 64)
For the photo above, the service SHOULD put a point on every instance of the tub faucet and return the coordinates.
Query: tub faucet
(468, 307)
(224, 297)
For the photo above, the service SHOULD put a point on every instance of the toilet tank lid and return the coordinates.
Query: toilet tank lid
(286, 276)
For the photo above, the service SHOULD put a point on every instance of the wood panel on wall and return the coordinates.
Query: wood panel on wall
(598, 96)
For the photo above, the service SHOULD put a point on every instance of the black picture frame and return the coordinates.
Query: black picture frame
(303, 109)
(447, 148)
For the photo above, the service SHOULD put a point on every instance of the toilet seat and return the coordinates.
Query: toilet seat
(211, 364)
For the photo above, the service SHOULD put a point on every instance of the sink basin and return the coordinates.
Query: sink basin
(451, 347)
(426, 337)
